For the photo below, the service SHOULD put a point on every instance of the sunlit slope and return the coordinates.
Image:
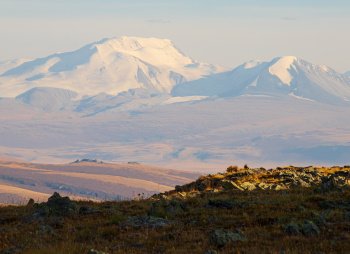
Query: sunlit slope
(102, 181)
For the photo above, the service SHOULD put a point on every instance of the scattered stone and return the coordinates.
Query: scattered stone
(264, 186)
(202, 186)
(166, 208)
(61, 206)
(248, 186)
(211, 252)
(278, 187)
(30, 203)
(182, 194)
(149, 221)
(212, 220)
(87, 210)
(229, 185)
(45, 229)
(320, 222)
(292, 229)
(56, 206)
(221, 237)
(310, 229)
(337, 204)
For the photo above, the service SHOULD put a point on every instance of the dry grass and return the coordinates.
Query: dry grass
(261, 221)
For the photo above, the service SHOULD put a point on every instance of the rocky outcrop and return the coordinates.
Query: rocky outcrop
(251, 179)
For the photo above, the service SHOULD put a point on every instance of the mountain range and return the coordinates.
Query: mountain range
(142, 99)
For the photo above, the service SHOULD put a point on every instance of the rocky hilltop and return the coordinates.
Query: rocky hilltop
(247, 179)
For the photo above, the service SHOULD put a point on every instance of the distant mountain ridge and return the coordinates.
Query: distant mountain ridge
(286, 75)
(108, 66)
(129, 73)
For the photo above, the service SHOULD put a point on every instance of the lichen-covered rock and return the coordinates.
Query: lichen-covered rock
(202, 186)
(248, 186)
(221, 237)
(45, 229)
(292, 229)
(278, 187)
(166, 208)
(61, 206)
(310, 229)
(229, 185)
(148, 221)
(264, 186)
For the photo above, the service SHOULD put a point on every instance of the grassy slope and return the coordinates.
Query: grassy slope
(261, 222)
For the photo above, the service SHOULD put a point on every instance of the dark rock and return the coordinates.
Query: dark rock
(30, 202)
(202, 186)
(212, 220)
(229, 185)
(221, 237)
(87, 210)
(56, 206)
(310, 229)
(61, 206)
(337, 204)
(292, 229)
(148, 221)
(211, 252)
(320, 222)
(45, 229)
(166, 208)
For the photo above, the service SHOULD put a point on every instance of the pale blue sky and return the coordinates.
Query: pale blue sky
(226, 32)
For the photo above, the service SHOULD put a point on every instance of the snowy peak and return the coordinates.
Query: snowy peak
(283, 76)
(108, 66)
(281, 67)
(151, 50)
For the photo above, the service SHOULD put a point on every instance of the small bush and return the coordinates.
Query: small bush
(232, 169)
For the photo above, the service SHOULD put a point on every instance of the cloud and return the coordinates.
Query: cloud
(161, 21)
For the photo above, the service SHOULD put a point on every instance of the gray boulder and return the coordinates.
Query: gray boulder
(61, 206)
(148, 221)
(292, 229)
(310, 229)
(221, 237)
(229, 185)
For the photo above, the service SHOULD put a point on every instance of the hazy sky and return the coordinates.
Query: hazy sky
(227, 32)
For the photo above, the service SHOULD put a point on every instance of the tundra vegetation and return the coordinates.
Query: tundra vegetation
(243, 210)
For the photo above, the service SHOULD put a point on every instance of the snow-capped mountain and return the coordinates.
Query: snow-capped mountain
(347, 73)
(286, 75)
(108, 66)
